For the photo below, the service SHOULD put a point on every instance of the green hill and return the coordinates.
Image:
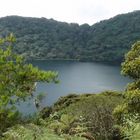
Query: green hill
(41, 38)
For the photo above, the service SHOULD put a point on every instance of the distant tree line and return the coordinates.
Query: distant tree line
(41, 38)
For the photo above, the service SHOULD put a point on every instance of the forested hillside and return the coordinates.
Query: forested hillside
(41, 38)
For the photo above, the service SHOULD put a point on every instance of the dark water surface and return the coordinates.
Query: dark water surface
(76, 77)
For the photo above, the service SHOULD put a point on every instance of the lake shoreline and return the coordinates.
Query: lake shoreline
(78, 60)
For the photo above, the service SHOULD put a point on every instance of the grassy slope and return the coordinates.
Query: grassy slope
(77, 104)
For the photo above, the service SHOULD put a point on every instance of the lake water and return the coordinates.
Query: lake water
(76, 77)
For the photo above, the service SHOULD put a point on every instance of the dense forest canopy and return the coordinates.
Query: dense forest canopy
(41, 38)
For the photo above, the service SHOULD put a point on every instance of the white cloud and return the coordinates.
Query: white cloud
(80, 11)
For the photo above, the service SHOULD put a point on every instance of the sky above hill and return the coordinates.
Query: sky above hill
(77, 11)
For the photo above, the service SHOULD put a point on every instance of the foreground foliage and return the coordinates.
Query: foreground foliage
(34, 132)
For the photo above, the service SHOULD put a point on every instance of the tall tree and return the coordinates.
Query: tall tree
(128, 113)
(17, 81)
(131, 66)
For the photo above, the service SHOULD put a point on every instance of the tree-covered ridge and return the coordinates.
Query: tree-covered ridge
(41, 38)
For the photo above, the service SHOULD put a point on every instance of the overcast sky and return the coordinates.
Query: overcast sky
(78, 11)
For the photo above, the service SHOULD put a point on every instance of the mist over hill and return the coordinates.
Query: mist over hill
(105, 41)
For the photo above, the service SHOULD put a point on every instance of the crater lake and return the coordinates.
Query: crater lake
(75, 78)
